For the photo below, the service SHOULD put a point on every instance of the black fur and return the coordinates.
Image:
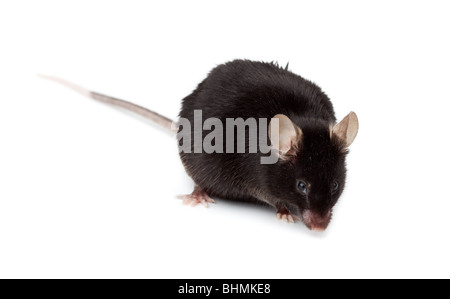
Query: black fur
(243, 88)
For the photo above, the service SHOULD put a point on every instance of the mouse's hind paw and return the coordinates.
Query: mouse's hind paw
(198, 196)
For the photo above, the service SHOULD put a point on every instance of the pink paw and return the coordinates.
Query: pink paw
(198, 196)
(289, 218)
(285, 215)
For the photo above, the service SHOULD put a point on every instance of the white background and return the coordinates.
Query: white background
(86, 191)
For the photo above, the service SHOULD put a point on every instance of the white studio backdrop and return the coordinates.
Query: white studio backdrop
(87, 191)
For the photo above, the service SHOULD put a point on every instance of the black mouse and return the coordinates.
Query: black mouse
(256, 132)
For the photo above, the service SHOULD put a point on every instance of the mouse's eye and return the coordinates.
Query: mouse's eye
(335, 187)
(302, 187)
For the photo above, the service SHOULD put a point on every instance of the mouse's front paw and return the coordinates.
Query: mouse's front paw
(198, 196)
(285, 215)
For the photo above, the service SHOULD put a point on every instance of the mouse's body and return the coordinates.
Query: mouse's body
(309, 174)
(248, 89)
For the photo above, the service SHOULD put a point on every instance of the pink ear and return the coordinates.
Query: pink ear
(347, 129)
(284, 134)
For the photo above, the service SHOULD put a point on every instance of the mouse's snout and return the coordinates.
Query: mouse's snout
(315, 221)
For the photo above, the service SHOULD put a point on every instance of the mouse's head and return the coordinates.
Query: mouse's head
(311, 166)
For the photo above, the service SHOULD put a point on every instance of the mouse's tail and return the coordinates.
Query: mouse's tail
(157, 118)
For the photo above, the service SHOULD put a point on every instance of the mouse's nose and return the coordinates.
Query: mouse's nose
(317, 228)
(316, 222)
